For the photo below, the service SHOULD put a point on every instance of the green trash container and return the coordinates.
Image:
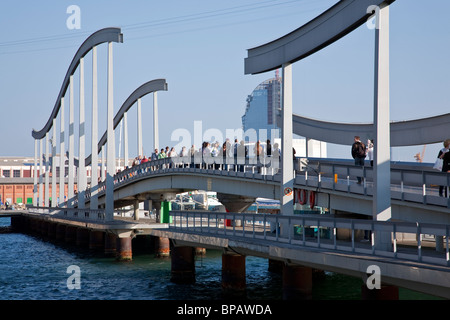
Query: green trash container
(166, 206)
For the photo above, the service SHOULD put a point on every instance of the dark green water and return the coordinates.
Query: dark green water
(33, 268)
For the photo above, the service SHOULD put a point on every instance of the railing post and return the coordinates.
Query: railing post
(334, 234)
(424, 188)
(419, 242)
(318, 233)
(394, 231)
(402, 186)
(304, 231)
(353, 235)
(265, 231)
(447, 253)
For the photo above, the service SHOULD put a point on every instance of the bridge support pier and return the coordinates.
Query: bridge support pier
(136, 209)
(297, 282)
(233, 273)
(110, 244)
(124, 250)
(162, 247)
(386, 292)
(182, 265)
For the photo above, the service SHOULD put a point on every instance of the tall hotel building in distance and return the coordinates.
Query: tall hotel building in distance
(260, 120)
(261, 110)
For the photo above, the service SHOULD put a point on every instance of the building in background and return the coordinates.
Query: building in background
(259, 120)
(261, 110)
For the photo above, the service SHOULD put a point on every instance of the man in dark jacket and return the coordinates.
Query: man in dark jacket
(359, 154)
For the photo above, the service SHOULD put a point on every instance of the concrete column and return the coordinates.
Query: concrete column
(233, 272)
(124, 250)
(287, 178)
(41, 169)
(71, 183)
(136, 209)
(35, 178)
(157, 206)
(94, 134)
(140, 151)
(162, 247)
(81, 180)
(62, 162)
(102, 174)
(47, 172)
(54, 196)
(155, 122)
(96, 240)
(110, 244)
(297, 282)
(125, 139)
(386, 292)
(182, 265)
(110, 158)
(382, 149)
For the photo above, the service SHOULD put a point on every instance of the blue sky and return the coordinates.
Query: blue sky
(199, 48)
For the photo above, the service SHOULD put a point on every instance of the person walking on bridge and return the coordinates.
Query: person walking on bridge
(359, 154)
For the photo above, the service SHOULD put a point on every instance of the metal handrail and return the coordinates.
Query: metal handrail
(256, 226)
(407, 184)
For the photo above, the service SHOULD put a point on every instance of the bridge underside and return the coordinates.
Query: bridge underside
(230, 191)
(433, 281)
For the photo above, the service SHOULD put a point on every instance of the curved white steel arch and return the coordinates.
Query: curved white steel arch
(403, 133)
(148, 87)
(333, 24)
(101, 36)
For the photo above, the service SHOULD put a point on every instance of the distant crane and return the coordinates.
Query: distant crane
(418, 156)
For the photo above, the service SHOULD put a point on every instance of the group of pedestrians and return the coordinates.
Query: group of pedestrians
(360, 151)
(210, 154)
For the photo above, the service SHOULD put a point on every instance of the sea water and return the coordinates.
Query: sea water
(35, 268)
